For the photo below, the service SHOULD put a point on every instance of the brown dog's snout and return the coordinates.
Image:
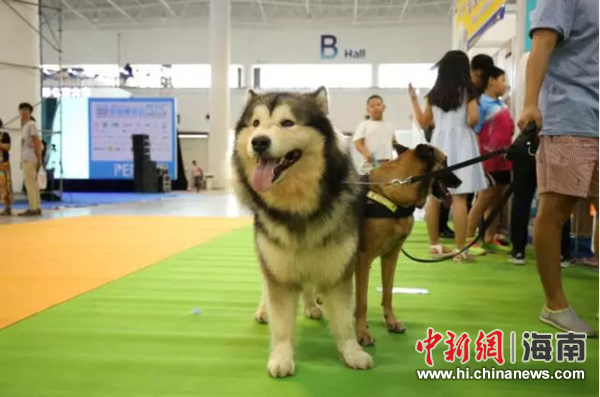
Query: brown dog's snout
(450, 180)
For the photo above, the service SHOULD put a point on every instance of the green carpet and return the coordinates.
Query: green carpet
(137, 336)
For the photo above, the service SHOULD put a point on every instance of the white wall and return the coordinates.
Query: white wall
(251, 45)
(348, 106)
(503, 31)
(347, 109)
(18, 46)
(194, 150)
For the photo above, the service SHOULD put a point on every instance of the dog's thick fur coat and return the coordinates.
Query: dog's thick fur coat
(306, 219)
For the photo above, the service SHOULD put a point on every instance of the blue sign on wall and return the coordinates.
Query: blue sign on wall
(529, 7)
(112, 122)
(329, 49)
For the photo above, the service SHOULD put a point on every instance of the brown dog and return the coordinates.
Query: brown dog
(389, 221)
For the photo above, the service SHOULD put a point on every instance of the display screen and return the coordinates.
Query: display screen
(112, 122)
(96, 136)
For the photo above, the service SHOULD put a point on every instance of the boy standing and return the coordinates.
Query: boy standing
(374, 137)
(495, 131)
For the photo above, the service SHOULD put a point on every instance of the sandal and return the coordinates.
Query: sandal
(464, 257)
(439, 251)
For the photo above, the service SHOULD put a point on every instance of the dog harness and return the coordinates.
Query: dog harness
(379, 206)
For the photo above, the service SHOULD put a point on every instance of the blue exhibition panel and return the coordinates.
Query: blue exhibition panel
(112, 122)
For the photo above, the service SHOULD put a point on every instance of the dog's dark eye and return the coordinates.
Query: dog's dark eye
(256, 123)
(287, 123)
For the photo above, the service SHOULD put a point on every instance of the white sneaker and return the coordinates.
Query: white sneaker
(565, 263)
(517, 258)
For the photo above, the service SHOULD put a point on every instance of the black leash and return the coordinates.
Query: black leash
(487, 222)
(523, 147)
(457, 166)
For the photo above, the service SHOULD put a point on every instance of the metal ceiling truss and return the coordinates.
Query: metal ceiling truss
(104, 13)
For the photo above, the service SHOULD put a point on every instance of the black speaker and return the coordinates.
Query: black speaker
(140, 140)
(145, 175)
(146, 185)
(140, 158)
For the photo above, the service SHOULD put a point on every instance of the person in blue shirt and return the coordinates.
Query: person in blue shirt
(561, 98)
(495, 132)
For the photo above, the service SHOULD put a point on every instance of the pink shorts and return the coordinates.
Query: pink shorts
(568, 165)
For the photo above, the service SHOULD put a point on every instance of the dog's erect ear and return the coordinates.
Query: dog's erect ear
(400, 149)
(322, 98)
(250, 95)
(425, 152)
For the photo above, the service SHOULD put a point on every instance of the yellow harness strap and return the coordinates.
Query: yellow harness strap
(382, 200)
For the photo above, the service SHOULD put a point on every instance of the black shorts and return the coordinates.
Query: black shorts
(499, 178)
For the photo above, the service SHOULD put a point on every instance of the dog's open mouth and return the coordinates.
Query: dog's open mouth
(440, 191)
(268, 170)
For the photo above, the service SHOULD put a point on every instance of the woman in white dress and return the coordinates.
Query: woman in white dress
(453, 110)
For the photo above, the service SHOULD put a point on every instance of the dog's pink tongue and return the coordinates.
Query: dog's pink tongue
(262, 178)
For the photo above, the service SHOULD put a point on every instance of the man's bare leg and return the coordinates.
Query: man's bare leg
(554, 210)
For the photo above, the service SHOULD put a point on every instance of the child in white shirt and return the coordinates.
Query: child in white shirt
(374, 137)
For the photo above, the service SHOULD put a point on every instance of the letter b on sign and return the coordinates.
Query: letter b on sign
(328, 46)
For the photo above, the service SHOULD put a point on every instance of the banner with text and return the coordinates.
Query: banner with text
(477, 16)
(112, 122)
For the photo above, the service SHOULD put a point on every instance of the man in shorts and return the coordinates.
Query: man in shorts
(562, 90)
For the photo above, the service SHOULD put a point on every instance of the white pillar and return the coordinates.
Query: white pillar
(375, 75)
(520, 29)
(220, 41)
(518, 53)
(20, 46)
(453, 36)
(248, 75)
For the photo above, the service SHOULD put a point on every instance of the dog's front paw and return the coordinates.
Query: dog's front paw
(357, 359)
(281, 364)
(392, 324)
(365, 338)
(261, 316)
(314, 313)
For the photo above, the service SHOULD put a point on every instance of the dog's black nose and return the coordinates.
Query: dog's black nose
(261, 144)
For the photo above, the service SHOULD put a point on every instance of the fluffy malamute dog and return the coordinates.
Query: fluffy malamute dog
(292, 170)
